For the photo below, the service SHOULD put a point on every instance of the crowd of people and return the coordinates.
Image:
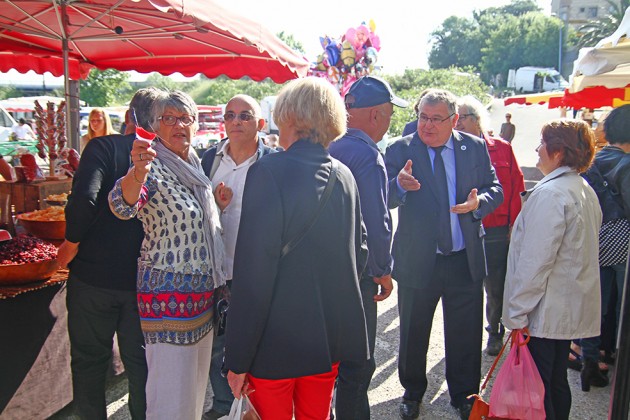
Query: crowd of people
(257, 270)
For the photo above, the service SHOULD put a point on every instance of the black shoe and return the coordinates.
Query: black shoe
(495, 343)
(464, 410)
(591, 375)
(576, 362)
(409, 409)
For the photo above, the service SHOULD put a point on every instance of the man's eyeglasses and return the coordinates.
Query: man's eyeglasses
(435, 120)
(464, 116)
(243, 116)
(186, 120)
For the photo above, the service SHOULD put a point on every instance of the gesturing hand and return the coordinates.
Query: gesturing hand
(406, 180)
(471, 204)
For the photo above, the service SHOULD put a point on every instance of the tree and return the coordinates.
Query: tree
(222, 89)
(291, 42)
(589, 34)
(163, 82)
(457, 42)
(105, 88)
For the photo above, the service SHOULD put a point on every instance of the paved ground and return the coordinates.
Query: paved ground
(385, 391)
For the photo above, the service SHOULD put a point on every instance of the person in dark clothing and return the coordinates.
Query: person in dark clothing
(613, 163)
(370, 105)
(102, 252)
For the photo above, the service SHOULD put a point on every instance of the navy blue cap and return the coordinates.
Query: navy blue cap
(371, 91)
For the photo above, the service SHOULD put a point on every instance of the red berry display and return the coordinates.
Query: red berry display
(25, 249)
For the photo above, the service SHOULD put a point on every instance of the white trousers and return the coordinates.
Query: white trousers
(178, 378)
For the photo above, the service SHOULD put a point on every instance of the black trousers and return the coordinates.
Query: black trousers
(462, 306)
(497, 243)
(551, 360)
(354, 378)
(94, 315)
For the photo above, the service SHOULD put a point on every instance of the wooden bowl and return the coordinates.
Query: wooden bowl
(26, 273)
(44, 229)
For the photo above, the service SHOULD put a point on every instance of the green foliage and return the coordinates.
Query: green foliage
(164, 82)
(291, 42)
(497, 39)
(9, 92)
(589, 34)
(221, 89)
(105, 88)
(412, 82)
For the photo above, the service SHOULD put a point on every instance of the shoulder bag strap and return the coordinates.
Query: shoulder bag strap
(496, 361)
(322, 203)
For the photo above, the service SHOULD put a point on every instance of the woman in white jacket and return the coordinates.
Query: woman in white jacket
(552, 283)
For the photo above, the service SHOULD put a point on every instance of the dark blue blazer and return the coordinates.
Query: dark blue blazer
(415, 241)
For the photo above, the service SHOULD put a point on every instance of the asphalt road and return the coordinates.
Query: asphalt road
(386, 391)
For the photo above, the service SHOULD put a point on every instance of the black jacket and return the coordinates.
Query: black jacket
(109, 247)
(297, 315)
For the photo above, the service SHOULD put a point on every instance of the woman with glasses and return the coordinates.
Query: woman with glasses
(552, 283)
(181, 258)
(296, 307)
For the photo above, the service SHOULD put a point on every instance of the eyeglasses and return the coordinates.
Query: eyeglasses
(243, 116)
(464, 116)
(435, 120)
(170, 120)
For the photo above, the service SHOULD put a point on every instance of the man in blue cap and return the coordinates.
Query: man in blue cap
(370, 104)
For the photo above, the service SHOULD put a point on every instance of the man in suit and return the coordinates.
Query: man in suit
(370, 105)
(443, 184)
(226, 165)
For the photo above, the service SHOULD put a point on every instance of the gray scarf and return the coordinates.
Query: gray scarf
(190, 174)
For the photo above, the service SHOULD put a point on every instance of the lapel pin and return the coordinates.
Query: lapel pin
(463, 147)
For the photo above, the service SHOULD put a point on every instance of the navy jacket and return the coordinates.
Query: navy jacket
(415, 241)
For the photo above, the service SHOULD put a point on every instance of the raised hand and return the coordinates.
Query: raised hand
(406, 180)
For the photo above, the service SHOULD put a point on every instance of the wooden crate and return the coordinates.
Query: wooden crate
(28, 197)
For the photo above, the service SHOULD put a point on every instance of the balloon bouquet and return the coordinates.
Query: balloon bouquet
(348, 59)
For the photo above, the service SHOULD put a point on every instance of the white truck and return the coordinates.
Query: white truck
(535, 79)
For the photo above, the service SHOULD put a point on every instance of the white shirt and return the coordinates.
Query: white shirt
(23, 132)
(233, 176)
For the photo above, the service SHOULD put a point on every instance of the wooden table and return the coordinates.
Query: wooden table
(30, 196)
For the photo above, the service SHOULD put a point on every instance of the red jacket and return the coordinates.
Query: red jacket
(511, 178)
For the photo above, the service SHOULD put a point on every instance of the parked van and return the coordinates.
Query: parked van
(535, 79)
(6, 124)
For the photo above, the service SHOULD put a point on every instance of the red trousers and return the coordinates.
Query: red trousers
(309, 397)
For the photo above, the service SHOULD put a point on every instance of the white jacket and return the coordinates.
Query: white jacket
(552, 282)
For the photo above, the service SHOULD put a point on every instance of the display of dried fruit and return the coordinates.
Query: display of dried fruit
(25, 249)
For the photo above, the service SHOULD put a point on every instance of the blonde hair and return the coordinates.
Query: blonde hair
(108, 124)
(314, 108)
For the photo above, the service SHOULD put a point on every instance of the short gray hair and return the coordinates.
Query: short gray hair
(439, 96)
(141, 103)
(477, 110)
(178, 100)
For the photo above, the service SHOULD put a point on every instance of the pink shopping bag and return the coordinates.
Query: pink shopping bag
(518, 392)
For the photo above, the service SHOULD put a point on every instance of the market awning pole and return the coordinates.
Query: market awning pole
(620, 393)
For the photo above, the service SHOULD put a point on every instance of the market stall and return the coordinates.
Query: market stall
(35, 355)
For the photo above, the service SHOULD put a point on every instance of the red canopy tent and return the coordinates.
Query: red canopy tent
(167, 36)
(70, 37)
